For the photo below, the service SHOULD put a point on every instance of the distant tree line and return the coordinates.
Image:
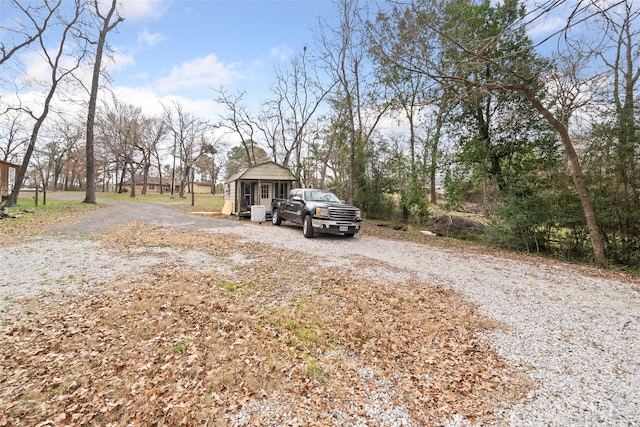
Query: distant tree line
(395, 109)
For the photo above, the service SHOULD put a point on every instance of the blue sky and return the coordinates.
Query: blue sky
(186, 48)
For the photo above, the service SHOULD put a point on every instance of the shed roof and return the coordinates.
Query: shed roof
(278, 172)
(9, 164)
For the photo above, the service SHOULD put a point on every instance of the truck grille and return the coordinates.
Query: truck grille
(344, 214)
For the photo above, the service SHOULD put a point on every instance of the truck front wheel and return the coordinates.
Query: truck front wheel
(275, 217)
(307, 227)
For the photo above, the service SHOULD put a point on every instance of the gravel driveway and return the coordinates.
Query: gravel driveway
(575, 334)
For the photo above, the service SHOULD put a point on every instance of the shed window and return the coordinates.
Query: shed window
(264, 191)
(281, 190)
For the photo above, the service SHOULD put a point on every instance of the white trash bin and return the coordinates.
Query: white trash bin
(258, 213)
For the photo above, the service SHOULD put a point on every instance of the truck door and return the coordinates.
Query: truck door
(293, 207)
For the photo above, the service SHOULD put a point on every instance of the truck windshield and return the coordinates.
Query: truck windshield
(320, 196)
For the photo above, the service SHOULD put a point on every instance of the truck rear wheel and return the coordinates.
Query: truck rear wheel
(275, 217)
(307, 227)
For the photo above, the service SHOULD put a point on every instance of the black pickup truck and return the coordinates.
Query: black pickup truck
(318, 211)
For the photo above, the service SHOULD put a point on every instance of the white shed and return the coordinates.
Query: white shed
(257, 185)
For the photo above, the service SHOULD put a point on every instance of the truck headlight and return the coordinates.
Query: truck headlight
(358, 214)
(322, 211)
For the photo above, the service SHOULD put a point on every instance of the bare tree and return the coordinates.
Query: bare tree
(73, 171)
(11, 134)
(285, 119)
(321, 148)
(154, 131)
(107, 23)
(211, 162)
(119, 129)
(193, 138)
(51, 159)
(443, 106)
(623, 32)
(107, 163)
(415, 96)
(58, 73)
(45, 161)
(344, 49)
(23, 34)
(238, 121)
(613, 153)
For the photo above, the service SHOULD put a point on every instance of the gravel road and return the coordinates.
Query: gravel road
(576, 335)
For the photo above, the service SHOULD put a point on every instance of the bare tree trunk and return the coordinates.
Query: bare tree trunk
(133, 180)
(160, 177)
(90, 196)
(577, 175)
(434, 153)
(145, 176)
(54, 63)
(183, 181)
(124, 172)
(193, 193)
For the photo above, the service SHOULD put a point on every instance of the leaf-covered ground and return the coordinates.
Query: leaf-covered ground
(261, 336)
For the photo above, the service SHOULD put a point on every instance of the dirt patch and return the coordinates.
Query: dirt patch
(455, 226)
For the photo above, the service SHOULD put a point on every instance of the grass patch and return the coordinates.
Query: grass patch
(180, 347)
(202, 202)
(32, 219)
(228, 286)
(65, 207)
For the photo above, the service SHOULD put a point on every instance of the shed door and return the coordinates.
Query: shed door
(248, 192)
(265, 193)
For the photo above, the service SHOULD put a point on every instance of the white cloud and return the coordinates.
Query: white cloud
(145, 38)
(37, 71)
(203, 72)
(118, 60)
(143, 9)
(547, 26)
(142, 96)
(151, 103)
(281, 52)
